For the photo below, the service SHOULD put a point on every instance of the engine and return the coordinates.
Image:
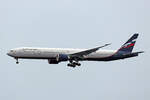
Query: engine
(58, 58)
(53, 61)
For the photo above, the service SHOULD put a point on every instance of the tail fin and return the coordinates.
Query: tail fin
(129, 45)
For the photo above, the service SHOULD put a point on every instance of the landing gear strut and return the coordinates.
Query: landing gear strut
(17, 62)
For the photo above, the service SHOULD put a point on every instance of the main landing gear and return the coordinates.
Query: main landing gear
(74, 64)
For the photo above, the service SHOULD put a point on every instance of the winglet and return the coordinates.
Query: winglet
(104, 45)
(107, 44)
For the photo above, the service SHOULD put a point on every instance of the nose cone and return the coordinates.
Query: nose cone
(10, 54)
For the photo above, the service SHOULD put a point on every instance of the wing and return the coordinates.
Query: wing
(86, 52)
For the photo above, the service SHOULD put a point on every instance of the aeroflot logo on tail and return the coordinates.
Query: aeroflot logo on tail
(130, 44)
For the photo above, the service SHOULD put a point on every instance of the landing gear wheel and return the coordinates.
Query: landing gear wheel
(76, 63)
(79, 64)
(68, 64)
(71, 65)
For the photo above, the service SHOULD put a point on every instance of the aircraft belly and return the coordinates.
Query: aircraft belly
(99, 55)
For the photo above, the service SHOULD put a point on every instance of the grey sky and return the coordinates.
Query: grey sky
(74, 24)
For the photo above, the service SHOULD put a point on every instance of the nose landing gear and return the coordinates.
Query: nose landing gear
(17, 62)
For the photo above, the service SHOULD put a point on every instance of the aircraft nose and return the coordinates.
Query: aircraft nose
(10, 53)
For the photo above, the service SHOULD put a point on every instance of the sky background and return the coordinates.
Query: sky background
(74, 24)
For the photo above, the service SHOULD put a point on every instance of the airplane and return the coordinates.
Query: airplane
(57, 55)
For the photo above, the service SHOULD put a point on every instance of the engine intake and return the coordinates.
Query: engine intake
(52, 61)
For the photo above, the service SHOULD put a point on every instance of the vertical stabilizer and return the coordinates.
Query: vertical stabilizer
(129, 45)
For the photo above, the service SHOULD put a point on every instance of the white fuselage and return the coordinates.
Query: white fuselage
(57, 55)
(48, 53)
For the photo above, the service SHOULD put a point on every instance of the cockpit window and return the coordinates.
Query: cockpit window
(11, 50)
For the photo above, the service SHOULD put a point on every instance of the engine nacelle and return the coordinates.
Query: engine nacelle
(59, 58)
(52, 61)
